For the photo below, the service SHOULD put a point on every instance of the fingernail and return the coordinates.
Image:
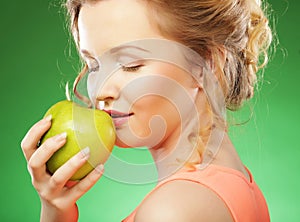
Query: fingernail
(61, 136)
(85, 153)
(99, 168)
(48, 118)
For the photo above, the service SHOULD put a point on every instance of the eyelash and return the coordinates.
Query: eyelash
(132, 68)
(93, 69)
(125, 68)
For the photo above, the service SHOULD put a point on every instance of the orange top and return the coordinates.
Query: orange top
(243, 198)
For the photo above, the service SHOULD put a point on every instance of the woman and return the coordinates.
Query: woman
(206, 53)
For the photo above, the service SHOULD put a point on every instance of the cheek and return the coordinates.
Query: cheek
(154, 113)
(154, 119)
(160, 103)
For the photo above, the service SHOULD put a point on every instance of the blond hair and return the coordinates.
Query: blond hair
(239, 28)
(206, 26)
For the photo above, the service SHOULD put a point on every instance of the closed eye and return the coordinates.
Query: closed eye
(91, 62)
(93, 65)
(132, 68)
(93, 69)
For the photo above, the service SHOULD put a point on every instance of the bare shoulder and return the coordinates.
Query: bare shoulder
(181, 200)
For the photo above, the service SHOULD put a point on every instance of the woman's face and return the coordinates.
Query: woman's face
(134, 95)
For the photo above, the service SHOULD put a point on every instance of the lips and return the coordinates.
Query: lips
(119, 118)
(117, 114)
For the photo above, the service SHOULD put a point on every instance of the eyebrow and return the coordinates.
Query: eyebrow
(119, 48)
(86, 53)
(114, 50)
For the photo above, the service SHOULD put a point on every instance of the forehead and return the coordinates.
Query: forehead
(109, 23)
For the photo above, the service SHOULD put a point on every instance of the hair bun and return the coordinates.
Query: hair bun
(253, 57)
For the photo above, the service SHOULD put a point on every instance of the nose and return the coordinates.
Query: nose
(108, 92)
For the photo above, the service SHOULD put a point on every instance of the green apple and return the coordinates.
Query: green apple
(85, 128)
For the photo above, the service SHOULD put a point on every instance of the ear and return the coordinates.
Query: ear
(219, 58)
(222, 55)
(216, 60)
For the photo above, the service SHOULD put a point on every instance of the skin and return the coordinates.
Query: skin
(104, 25)
(93, 19)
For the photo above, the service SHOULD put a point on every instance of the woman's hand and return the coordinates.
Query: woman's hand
(58, 196)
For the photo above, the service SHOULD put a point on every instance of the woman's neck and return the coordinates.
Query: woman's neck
(172, 155)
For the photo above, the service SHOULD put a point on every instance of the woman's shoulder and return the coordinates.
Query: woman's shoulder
(215, 194)
(182, 200)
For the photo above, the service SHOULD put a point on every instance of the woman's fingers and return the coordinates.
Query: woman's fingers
(63, 174)
(33, 136)
(51, 186)
(37, 161)
(71, 183)
(85, 184)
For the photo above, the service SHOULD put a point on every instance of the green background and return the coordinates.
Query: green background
(36, 63)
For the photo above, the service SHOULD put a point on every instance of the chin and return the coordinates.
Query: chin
(121, 144)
